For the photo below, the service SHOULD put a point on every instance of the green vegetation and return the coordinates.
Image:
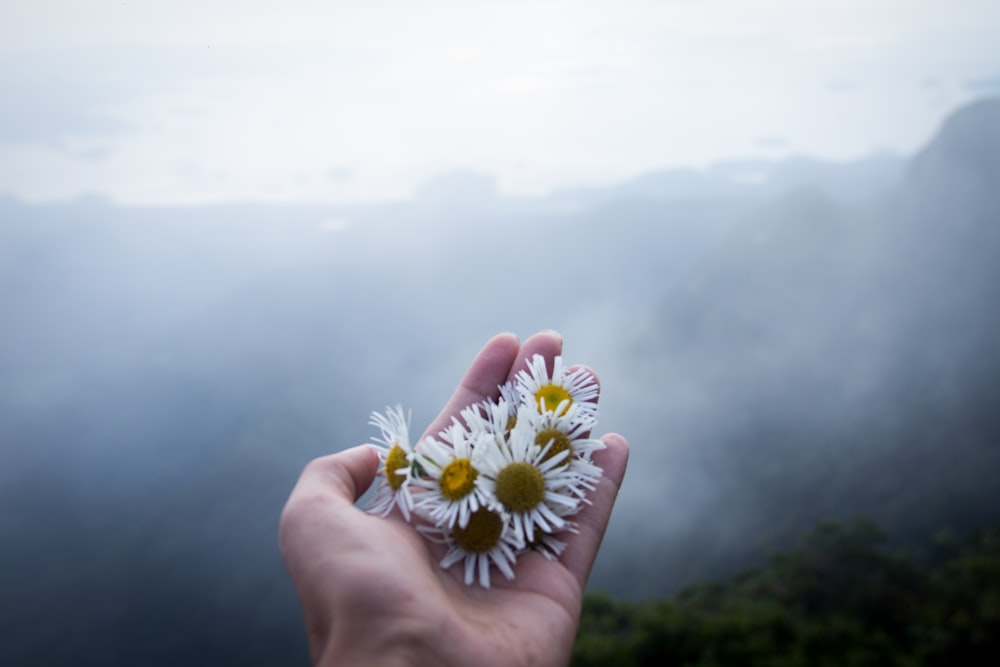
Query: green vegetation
(837, 599)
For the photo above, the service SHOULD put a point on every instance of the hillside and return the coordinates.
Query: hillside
(827, 359)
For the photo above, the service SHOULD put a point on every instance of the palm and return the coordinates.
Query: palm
(379, 575)
(396, 581)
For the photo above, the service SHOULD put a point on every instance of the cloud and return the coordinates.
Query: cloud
(771, 141)
(335, 225)
(842, 85)
(340, 173)
(984, 85)
(462, 187)
(94, 153)
(53, 114)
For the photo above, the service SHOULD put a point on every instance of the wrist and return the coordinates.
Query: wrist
(375, 645)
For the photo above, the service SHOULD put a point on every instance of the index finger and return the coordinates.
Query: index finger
(498, 362)
(488, 370)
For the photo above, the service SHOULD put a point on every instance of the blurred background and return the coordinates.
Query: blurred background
(231, 230)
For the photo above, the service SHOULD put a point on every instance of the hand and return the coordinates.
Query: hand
(371, 590)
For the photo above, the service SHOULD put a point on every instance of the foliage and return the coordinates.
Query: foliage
(837, 599)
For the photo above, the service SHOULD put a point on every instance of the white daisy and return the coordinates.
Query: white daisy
(495, 418)
(507, 476)
(512, 397)
(395, 457)
(560, 390)
(567, 431)
(527, 483)
(487, 538)
(447, 486)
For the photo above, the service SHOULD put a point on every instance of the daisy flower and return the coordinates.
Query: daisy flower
(487, 538)
(526, 483)
(448, 489)
(559, 391)
(493, 417)
(568, 431)
(506, 477)
(395, 456)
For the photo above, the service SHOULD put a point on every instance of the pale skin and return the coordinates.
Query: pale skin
(371, 589)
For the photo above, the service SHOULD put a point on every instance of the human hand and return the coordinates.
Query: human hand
(371, 590)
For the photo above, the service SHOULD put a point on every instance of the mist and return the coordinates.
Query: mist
(780, 342)
(827, 359)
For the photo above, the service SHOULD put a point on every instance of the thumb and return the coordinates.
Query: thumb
(329, 482)
(349, 472)
(317, 511)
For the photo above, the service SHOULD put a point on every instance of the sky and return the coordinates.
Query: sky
(209, 101)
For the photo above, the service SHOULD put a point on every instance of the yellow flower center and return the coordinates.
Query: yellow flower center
(458, 479)
(550, 396)
(520, 487)
(560, 443)
(481, 534)
(394, 461)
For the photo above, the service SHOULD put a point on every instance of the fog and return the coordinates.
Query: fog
(827, 359)
(781, 342)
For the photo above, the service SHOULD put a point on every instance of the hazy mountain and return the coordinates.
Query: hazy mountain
(760, 179)
(826, 359)
(772, 355)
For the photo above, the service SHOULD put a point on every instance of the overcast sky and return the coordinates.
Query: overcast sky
(194, 101)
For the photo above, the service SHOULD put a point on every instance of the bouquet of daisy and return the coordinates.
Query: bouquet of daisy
(506, 478)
